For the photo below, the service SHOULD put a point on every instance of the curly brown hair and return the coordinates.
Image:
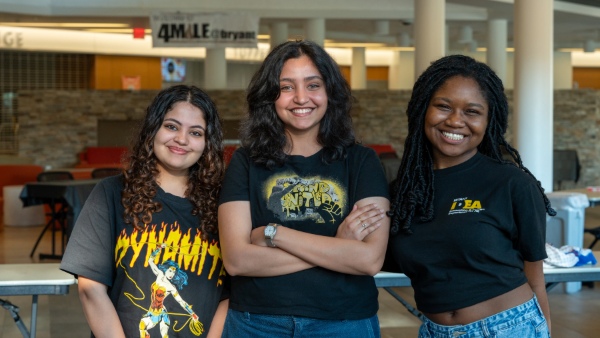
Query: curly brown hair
(205, 176)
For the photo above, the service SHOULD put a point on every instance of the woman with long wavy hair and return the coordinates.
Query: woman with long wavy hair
(301, 214)
(161, 209)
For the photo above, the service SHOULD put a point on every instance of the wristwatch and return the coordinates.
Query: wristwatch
(270, 232)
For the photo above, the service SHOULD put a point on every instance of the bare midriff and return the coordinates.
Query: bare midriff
(484, 309)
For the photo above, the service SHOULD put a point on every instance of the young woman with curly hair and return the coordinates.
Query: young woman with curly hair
(468, 225)
(160, 212)
(301, 213)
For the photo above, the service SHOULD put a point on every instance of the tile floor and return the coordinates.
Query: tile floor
(573, 315)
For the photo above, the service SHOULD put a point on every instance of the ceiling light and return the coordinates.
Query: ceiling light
(64, 24)
(589, 46)
(116, 30)
(354, 44)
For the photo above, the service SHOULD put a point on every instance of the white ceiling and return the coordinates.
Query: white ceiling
(575, 21)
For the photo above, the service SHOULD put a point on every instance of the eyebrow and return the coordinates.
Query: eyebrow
(179, 123)
(308, 78)
(470, 104)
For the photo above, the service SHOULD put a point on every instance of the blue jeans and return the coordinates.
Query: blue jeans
(244, 324)
(523, 321)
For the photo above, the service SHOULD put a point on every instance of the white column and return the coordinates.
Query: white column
(563, 70)
(315, 30)
(533, 93)
(496, 48)
(278, 33)
(215, 69)
(358, 70)
(401, 72)
(430, 28)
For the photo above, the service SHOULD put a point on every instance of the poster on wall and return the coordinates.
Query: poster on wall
(204, 30)
(131, 83)
(172, 69)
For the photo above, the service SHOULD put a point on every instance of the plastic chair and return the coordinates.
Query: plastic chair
(105, 172)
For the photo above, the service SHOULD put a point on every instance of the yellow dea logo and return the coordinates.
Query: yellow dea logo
(464, 204)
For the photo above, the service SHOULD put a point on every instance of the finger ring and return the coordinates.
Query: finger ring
(364, 225)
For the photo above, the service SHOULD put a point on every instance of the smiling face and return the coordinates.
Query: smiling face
(456, 121)
(180, 140)
(302, 101)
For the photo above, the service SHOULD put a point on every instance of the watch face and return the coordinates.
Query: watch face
(270, 231)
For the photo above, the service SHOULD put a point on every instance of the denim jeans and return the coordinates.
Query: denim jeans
(523, 321)
(244, 324)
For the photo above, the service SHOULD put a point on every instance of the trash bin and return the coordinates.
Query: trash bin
(566, 228)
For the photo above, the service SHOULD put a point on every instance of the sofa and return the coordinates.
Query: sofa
(101, 157)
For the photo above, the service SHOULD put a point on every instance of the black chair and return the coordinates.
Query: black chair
(59, 213)
(48, 176)
(594, 232)
(105, 172)
(566, 167)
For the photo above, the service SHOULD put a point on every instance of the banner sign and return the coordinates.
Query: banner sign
(204, 30)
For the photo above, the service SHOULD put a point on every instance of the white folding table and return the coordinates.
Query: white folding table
(32, 279)
(586, 273)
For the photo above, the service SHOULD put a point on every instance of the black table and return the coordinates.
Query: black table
(65, 199)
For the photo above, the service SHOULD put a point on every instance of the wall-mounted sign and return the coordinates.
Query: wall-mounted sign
(10, 39)
(204, 30)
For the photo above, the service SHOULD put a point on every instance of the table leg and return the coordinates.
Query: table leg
(409, 307)
(56, 219)
(14, 313)
(34, 308)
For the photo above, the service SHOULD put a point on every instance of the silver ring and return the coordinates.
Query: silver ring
(364, 225)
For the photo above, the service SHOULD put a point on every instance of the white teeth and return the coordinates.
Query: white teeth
(455, 137)
(302, 111)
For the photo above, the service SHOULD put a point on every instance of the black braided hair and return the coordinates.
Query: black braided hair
(412, 190)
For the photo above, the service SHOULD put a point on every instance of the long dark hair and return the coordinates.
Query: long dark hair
(263, 134)
(205, 176)
(412, 191)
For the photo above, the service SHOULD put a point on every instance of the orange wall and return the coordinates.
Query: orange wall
(587, 77)
(108, 69)
(373, 73)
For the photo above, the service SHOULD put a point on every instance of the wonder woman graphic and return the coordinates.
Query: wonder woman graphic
(169, 278)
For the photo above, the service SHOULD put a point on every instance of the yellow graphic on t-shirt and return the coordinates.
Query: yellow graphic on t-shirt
(297, 198)
(463, 205)
(187, 249)
(172, 256)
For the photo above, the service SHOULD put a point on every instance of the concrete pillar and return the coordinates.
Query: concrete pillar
(315, 30)
(430, 28)
(215, 69)
(401, 72)
(278, 33)
(533, 93)
(563, 70)
(496, 48)
(358, 70)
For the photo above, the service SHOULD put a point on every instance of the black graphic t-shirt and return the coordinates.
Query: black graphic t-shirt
(307, 195)
(158, 279)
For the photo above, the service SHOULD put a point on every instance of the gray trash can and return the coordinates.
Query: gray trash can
(566, 228)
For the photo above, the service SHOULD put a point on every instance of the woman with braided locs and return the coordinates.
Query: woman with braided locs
(145, 247)
(468, 226)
